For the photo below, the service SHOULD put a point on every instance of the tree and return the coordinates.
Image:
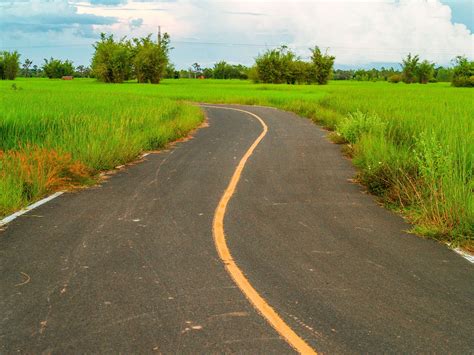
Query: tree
(275, 66)
(56, 68)
(463, 72)
(409, 68)
(221, 70)
(424, 72)
(9, 65)
(208, 73)
(323, 65)
(112, 60)
(150, 58)
(196, 70)
(443, 74)
(302, 72)
(34, 71)
(26, 67)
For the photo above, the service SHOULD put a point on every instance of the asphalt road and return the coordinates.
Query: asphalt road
(131, 265)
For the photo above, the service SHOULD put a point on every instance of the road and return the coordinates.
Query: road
(135, 265)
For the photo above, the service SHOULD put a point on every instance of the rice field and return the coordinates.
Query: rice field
(412, 143)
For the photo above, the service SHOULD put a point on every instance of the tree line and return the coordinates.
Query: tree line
(147, 61)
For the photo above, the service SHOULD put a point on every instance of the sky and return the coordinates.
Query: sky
(360, 34)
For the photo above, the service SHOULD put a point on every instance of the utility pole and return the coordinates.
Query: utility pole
(159, 35)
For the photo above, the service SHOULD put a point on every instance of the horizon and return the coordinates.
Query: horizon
(370, 34)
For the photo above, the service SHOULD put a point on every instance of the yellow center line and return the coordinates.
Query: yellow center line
(234, 271)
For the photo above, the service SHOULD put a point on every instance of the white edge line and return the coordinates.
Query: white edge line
(11, 217)
(467, 256)
(29, 208)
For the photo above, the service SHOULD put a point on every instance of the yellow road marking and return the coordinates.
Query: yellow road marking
(237, 275)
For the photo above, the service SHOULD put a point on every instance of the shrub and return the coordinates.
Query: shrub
(463, 72)
(354, 125)
(424, 72)
(323, 64)
(150, 59)
(395, 78)
(409, 68)
(9, 65)
(112, 60)
(275, 65)
(56, 69)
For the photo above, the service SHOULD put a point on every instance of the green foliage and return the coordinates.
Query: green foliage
(395, 78)
(51, 123)
(275, 66)
(424, 72)
(112, 60)
(119, 61)
(322, 65)
(282, 66)
(224, 70)
(443, 74)
(9, 65)
(56, 68)
(463, 72)
(302, 72)
(409, 68)
(82, 72)
(356, 124)
(150, 59)
(26, 68)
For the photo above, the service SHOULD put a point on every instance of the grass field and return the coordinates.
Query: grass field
(412, 143)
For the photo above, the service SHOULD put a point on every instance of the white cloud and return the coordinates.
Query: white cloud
(356, 32)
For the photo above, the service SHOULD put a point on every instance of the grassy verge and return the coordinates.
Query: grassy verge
(411, 143)
(54, 136)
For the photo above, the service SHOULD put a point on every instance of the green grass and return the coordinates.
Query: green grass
(412, 143)
(56, 134)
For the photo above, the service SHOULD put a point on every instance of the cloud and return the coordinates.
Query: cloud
(108, 2)
(135, 23)
(356, 31)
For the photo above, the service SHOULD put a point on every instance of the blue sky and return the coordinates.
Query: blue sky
(358, 33)
(462, 11)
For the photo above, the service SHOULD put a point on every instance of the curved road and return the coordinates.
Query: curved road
(132, 265)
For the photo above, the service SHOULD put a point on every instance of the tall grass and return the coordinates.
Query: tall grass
(412, 143)
(53, 135)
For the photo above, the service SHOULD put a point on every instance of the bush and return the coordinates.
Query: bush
(281, 65)
(463, 73)
(322, 66)
(9, 65)
(409, 68)
(274, 66)
(112, 60)
(354, 125)
(150, 59)
(395, 78)
(424, 72)
(56, 69)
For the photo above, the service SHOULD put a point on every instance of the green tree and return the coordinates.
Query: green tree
(150, 58)
(302, 72)
(463, 72)
(424, 72)
(322, 64)
(26, 67)
(221, 70)
(443, 74)
(409, 68)
(112, 60)
(275, 66)
(9, 65)
(56, 68)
